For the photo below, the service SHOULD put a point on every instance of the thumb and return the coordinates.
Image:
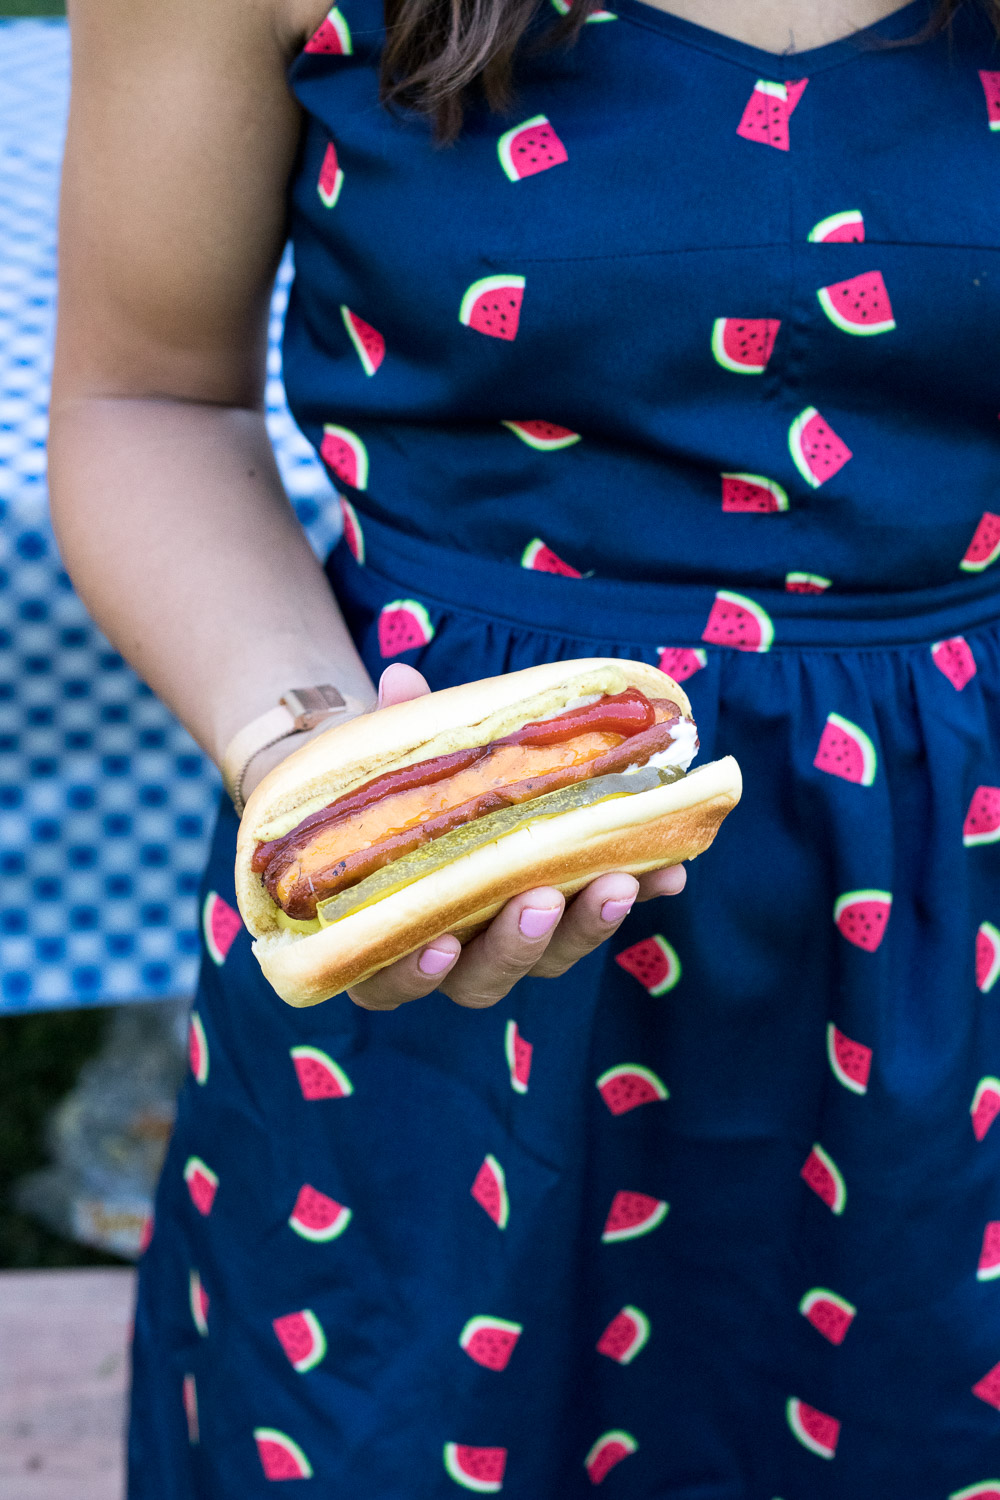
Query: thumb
(399, 683)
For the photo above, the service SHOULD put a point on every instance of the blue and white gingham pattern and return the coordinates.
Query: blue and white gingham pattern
(105, 802)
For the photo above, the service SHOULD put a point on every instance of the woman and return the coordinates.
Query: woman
(703, 303)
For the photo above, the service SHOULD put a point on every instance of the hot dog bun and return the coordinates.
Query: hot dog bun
(635, 833)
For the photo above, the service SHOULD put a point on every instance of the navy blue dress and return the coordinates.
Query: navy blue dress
(690, 359)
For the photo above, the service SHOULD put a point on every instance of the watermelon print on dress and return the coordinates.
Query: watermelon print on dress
(846, 751)
(403, 625)
(316, 1217)
(806, 583)
(319, 1076)
(202, 1184)
(197, 1048)
(985, 1106)
(816, 450)
(541, 559)
(988, 1389)
(988, 1268)
(368, 342)
(189, 1394)
(632, 1215)
(862, 916)
(219, 925)
(850, 1061)
(198, 1303)
(752, 494)
(609, 1450)
(490, 1341)
(301, 1336)
(680, 662)
(839, 229)
(564, 7)
(492, 305)
(545, 437)
(280, 1456)
(354, 537)
(984, 548)
(529, 148)
(955, 660)
(629, 1085)
(333, 36)
(829, 1314)
(769, 108)
(987, 957)
(744, 345)
(860, 305)
(738, 622)
(490, 1191)
(518, 1054)
(653, 962)
(814, 1429)
(477, 1469)
(982, 821)
(991, 88)
(986, 1489)
(625, 1335)
(345, 455)
(821, 1173)
(331, 178)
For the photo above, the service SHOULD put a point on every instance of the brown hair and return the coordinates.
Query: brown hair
(440, 54)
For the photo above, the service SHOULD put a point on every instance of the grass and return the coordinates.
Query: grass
(32, 8)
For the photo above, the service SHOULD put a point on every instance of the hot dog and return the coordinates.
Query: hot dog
(424, 818)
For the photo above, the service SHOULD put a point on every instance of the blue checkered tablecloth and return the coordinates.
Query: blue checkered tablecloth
(105, 802)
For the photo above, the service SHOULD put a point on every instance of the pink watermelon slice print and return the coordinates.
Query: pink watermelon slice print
(860, 305)
(219, 924)
(850, 1061)
(609, 1450)
(653, 962)
(316, 1217)
(189, 1392)
(331, 178)
(846, 751)
(629, 1085)
(353, 535)
(201, 1184)
(816, 450)
(542, 559)
(146, 1233)
(625, 1335)
(984, 548)
(529, 148)
(985, 1106)
(333, 36)
(403, 625)
(301, 1336)
(518, 1054)
(753, 494)
(744, 345)
(829, 1314)
(991, 88)
(987, 1489)
(988, 1268)
(546, 437)
(861, 917)
(806, 583)
(319, 1076)
(280, 1456)
(632, 1215)
(839, 229)
(197, 1048)
(814, 1429)
(738, 622)
(955, 659)
(988, 1389)
(564, 7)
(198, 1303)
(987, 957)
(490, 1191)
(822, 1174)
(368, 342)
(345, 455)
(982, 821)
(490, 1341)
(477, 1469)
(680, 663)
(769, 108)
(492, 305)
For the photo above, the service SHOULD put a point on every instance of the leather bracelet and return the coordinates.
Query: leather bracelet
(298, 709)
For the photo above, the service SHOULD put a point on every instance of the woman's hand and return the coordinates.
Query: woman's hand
(536, 933)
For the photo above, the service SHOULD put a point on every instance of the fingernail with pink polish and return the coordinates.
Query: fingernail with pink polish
(536, 921)
(615, 911)
(435, 961)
